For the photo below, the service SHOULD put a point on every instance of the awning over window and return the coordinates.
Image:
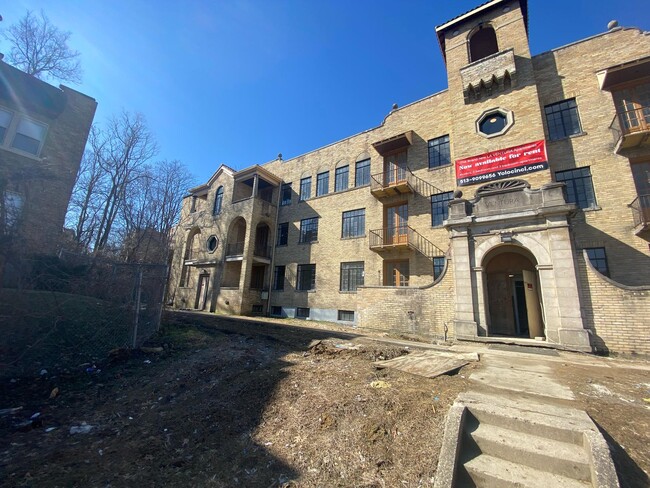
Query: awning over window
(635, 70)
(394, 143)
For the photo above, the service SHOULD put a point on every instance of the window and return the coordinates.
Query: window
(440, 207)
(276, 311)
(354, 223)
(482, 43)
(362, 173)
(218, 199)
(346, 315)
(579, 189)
(278, 278)
(562, 119)
(302, 313)
(212, 244)
(305, 189)
(341, 178)
(285, 199)
(309, 230)
(306, 277)
(283, 234)
(351, 276)
(29, 136)
(439, 154)
(494, 122)
(598, 259)
(322, 183)
(5, 120)
(438, 266)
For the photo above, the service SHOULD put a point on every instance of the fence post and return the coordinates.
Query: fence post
(137, 307)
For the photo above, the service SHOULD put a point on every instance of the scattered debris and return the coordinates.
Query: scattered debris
(151, 350)
(428, 364)
(9, 411)
(54, 392)
(43, 372)
(380, 384)
(84, 428)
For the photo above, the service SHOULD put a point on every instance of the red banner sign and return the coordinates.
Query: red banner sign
(505, 163)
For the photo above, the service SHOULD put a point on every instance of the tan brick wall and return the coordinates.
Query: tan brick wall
(616, 315)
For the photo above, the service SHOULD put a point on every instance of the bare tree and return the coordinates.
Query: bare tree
(126, 147)
(41, 49)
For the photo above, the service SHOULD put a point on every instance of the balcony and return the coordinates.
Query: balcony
(631, 129)
(641, 214)
(262, 254)
(399, 181)
(234, 251)
(403, 238)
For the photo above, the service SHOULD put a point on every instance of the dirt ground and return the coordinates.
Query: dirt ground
(263, 405)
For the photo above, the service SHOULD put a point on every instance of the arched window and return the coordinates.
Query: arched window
(218, 198)
(482, 43)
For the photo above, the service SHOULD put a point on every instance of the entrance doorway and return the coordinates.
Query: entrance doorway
(513, 301)
(202, 292)
(394, 168)
(396, 273)
(396, 218)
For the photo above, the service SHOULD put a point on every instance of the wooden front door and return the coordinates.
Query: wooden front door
(396, 273)
(633, 108)
(202, 292)
(395, 168)
(396, 224)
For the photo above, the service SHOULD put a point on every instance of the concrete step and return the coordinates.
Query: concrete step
(491, 472)
(552, 456)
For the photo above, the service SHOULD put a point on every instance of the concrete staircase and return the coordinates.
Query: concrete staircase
(507, 442)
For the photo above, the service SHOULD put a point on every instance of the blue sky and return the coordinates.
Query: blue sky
(238, 82)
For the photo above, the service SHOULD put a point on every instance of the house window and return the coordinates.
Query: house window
(439, 154)
(346, 315)
(283, 234)
(5, 120)
(306, 277)
(362, 173)
(440, 207)
(305, 189)
(579, 188)
(483, 43)
(322, 183)
(598, 258)
(212, 244)
(286, 194)
(218, 199)
(276, 311)
(438, 266)
(309, 230)
(341, 178)
(354, 223)
(562, 119)
(278, 278)
(29, 136)
(257, 309)
(351, 276)
(302, 313)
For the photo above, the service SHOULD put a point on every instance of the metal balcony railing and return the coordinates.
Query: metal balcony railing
(402, 177)
(628, 122)
(235, 249)
(390, 237)
(263, 251)
(641, 210)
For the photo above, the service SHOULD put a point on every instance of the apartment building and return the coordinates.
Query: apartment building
(514, 204)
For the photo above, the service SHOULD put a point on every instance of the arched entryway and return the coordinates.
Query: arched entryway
(513, 299)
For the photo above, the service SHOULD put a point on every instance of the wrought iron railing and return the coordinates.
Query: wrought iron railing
(404, 235)
(235, 249)
(630, 121)
(641, 210)
(399, 176)
(263, 251)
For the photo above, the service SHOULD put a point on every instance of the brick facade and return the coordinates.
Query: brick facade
(511, 248)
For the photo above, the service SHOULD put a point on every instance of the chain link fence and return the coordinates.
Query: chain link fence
(71, 311)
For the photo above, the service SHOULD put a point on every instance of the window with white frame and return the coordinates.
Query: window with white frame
(29, 136)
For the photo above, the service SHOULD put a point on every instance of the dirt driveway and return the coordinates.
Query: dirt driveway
(261, 405)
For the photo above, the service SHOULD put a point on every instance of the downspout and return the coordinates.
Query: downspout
(271, 270)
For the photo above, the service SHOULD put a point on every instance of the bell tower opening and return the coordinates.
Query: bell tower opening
(482, 43)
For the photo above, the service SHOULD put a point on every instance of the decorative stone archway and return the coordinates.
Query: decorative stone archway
(535, 221)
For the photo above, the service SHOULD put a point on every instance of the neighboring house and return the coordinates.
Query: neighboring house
(514, 204)
(43, 132)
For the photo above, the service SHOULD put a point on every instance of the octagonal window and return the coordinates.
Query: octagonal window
(495, 122)
(212, 244)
